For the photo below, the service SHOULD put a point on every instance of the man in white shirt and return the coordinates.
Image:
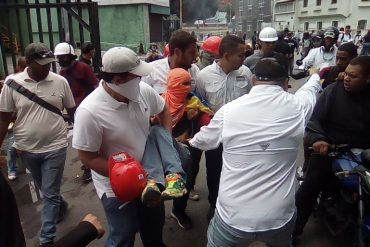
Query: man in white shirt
(260, 133)
(115, 118)
(345, 37)
(220, 83)
(323, 56)
(40, 135)
(182, 54)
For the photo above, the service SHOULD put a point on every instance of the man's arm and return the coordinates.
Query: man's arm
(5, 119)
(164, 118)
(94, 161)
(71, 113)
(209, 137)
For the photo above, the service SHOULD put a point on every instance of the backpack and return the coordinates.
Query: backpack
(350, 37)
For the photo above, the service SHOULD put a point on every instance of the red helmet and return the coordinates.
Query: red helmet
(212, 44)
(166, 51)
(127, 177)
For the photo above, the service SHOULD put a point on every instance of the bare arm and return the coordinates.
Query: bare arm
(94, 161)
(5, 119)
(164, 118)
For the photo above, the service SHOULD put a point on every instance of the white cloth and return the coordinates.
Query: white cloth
(219, 88)
(158, 78)
(105, 125)
(260, 132)
(36, 129)
(317, 58)
(344, 38)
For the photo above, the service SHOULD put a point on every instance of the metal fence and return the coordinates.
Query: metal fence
(50, 23)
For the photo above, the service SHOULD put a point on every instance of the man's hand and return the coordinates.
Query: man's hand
(96, 223)
(321, 147)
(312, 71)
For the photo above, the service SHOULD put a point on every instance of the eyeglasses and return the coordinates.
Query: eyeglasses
(42, 55)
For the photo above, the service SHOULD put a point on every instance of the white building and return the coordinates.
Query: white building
(308, 15)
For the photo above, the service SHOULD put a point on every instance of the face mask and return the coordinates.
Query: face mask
(130, 89)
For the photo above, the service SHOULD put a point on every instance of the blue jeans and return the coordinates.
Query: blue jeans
(160, 156)
(124, 222)
(11, 154)
(219, 234)
(365, 49)
(47, 171)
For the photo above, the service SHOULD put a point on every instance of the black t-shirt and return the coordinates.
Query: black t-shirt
(282, 47)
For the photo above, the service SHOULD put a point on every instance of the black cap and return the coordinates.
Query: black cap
(270, 69)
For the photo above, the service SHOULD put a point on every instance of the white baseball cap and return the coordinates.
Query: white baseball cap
(122, 59)
(268, 34)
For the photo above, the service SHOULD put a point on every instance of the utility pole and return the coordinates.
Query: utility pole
(180, 14)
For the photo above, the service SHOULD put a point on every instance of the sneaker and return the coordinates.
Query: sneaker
(151, 195)
(12, 176)
(86, 176)
(183, 220)
(175, 187)
(193, 196)
(62, 210)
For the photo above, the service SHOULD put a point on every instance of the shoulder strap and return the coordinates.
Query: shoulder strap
(33, 97)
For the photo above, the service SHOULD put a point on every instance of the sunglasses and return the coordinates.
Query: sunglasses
(42, 55)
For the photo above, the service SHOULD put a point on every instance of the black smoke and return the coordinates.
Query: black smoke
(194, 9)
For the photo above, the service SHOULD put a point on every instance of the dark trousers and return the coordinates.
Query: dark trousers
(318, 176)
(214, 167)
(180, 204)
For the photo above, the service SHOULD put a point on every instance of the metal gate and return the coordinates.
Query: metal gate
(50, 22)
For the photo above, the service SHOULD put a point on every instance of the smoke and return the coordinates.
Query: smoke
(195, 9)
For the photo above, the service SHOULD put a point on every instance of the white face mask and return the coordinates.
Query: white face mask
(130, 89)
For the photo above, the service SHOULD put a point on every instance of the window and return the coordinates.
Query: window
(334, 24)
(284, 7)
(361, 24)
(333, 1)
(306, 26)
(318, 2)
(249, 28)
(305, 2)
(319, 25)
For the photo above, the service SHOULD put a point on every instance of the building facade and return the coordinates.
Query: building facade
(308, 15)
(252, 15)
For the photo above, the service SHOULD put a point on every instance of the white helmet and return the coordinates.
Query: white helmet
(268, 34)
(64, 49)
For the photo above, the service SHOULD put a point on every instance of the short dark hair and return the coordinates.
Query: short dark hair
(87, 47)
(180, 39)
(230, 44)
(350, 48)
(348, 26)
(270, 69)
(364, 62)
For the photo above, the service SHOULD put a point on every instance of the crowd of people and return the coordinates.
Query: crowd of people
(159, 116)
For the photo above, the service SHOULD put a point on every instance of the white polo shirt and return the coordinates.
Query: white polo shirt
(105, 125)
(260, 132)
(36, 129)
(158, 78)
(219, 88)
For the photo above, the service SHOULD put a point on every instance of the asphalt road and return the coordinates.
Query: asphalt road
(82, 199)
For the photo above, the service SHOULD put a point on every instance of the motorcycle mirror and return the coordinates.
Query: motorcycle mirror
(299, 62)
(365, 157)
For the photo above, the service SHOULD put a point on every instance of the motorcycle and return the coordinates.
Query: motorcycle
(348, 206)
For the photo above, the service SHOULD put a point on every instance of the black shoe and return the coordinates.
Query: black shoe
(211, 213)
(86, 176)
(62, 211)
(47, 244)
(183, 220)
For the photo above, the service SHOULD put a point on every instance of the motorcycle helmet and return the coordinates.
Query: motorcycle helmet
(331, 32)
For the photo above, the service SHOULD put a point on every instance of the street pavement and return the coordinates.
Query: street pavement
(82, 200)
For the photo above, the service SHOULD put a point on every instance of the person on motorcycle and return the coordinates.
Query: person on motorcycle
(342, 114)
(323, 56)
(345, 54)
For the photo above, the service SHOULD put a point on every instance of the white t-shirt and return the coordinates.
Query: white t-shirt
(318, 58)
(36, 129)
(260, 133)
(344, 38)
(106, 125)
(158, 78)
(218, 88)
